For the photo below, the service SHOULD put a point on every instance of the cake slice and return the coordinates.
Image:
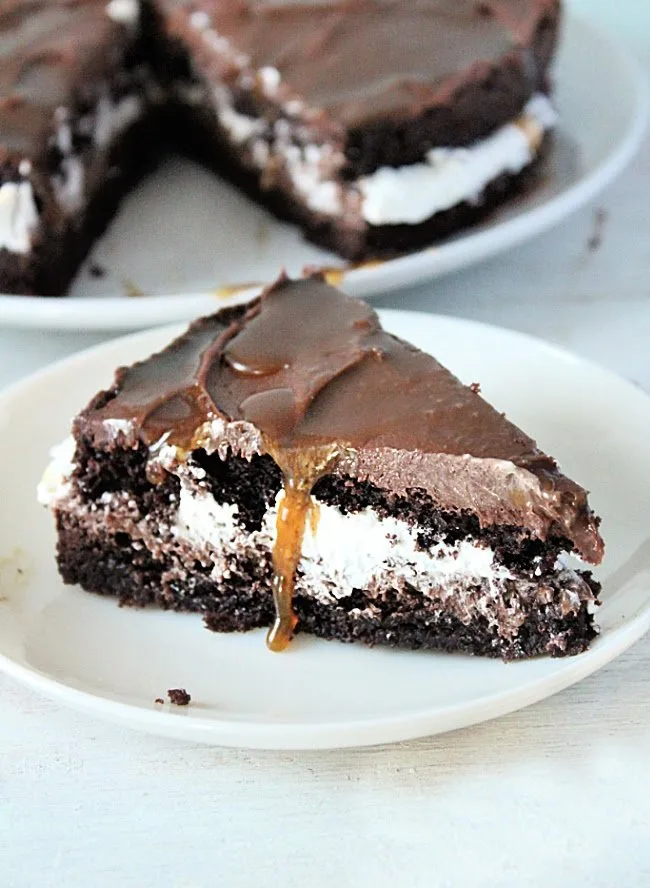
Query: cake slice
(290, 464)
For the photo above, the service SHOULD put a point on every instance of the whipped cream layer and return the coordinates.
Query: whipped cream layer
(450, 176)
(341, 552)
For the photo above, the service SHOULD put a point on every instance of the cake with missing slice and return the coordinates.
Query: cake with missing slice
(290, 464)
(377, 126)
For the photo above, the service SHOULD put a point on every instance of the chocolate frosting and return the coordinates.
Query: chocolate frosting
(358, 61)
(304, 368)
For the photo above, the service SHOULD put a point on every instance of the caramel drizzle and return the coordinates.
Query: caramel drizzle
(301, 468)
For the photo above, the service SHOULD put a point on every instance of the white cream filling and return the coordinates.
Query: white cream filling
(108, 120)
(55, 483)
(240, 127)
(340, 552)
(304, 167)
(18, 216)
(409, 194)
(345, 552)
(450, 176)
(124, 12)
(113, 117)
(68, 184)
(202, 521)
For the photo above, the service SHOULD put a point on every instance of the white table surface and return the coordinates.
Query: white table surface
(558, 794)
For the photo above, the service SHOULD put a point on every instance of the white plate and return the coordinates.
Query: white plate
(184, 232)
(87, 652)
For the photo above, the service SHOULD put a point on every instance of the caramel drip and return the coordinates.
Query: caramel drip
(301, 469)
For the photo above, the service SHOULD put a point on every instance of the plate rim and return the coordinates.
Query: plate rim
(106, 313)
(339, 734)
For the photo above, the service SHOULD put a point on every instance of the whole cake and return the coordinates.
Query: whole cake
(290, 464)
(376, 125)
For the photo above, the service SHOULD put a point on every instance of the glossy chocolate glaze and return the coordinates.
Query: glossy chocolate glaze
(360, 61)
(305, 369)
(48, 50)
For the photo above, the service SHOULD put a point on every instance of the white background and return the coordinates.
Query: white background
(558, 794)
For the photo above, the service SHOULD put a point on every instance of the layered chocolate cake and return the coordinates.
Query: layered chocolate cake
(290, 464)
(376, 125)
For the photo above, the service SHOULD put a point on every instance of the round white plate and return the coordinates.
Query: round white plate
(184, 232)
(87, 652)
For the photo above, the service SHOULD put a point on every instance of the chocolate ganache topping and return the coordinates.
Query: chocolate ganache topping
(309, 376)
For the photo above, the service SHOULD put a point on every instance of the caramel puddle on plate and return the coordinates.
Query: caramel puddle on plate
(301, 468)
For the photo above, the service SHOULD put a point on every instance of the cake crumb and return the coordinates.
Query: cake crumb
(159, 700)
(96, 270)
(178, 696)
(476, 388)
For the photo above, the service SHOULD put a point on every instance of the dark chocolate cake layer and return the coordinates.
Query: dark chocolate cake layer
(372, 147)
(417, 514)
